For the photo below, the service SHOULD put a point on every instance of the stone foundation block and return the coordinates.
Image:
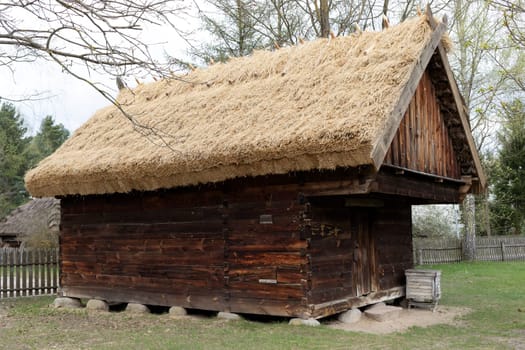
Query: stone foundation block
(178, 311)
(229, 316)
(97, 305)
(350, 316)
(66, 303)
(137, 308)
(301, 322)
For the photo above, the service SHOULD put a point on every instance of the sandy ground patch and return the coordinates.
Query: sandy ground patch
(408, 318)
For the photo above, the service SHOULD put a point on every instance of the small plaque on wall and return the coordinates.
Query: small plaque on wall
(267, 281)
(265, 219)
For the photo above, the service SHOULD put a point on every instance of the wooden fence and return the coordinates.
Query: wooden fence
(496, 248)
(28, 272)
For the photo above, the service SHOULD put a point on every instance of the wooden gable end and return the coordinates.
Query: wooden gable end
(422, 142)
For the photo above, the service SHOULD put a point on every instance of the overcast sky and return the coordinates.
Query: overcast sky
(50, 92)
(68, 100)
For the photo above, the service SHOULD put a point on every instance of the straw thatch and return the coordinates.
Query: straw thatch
(45, 210)
(319, 105)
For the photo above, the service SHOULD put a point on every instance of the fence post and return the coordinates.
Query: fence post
(420, 256)
(502, 251)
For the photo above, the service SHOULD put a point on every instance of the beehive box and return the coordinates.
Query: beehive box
(423, 288)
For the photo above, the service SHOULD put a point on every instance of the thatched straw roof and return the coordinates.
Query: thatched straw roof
(319, 105)
(38, 213)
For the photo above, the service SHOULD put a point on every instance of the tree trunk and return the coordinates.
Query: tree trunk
(486, 214)
(469, 245)
(324, 20)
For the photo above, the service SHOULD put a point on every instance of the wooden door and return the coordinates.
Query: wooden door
(364, 262)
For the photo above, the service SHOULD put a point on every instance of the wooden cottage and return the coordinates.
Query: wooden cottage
(279, 183)
(38, 217)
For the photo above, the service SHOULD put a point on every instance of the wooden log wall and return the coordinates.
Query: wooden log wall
(357, 250)
(121, 246)
(265, 260)
(392, 232)
(205, 249)
(257, 247)
(327, 230)
(422, 142)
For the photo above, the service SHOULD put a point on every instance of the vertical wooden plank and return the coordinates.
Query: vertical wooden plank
(39, 268)
(394, 150)
(55, 271)
(46, 271)
(420, 127)
(442, 156)
(10, 260)
(2, 272)
(423, 128)
(29, 272)
(402, 143)
(408, 134)
(426, 128)
(9, 273)
(22, 271)
(21, 275)
(16, 276)
(430, 128)
(413, 134)
(435, 130)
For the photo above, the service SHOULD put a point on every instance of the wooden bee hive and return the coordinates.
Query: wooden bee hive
(423, 288)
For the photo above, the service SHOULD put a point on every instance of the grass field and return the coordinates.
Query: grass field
(495, 292)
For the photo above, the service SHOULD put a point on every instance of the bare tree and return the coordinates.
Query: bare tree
(239, 26)
(82, 36)
(513, 12)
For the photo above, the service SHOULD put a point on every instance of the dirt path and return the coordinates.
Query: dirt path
(407, 319)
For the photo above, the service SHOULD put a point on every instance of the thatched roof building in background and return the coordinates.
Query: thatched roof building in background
(328, 103)
(39, 214)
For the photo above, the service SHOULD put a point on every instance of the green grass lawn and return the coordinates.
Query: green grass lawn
(495, 292)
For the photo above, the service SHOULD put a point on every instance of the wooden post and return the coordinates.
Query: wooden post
(469, 246)
(502, 251)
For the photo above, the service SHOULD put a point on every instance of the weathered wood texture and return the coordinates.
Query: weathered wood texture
(392, 231)
(242, 247)
(496, 248)
(28, 272)
(357, 246)
(341, 249)
(455, 113)
(421, 189)
(422, 142)
(423, 287)
(207, 248)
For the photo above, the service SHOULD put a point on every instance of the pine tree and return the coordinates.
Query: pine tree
(49, 137)
(509, 172)
(13, 163)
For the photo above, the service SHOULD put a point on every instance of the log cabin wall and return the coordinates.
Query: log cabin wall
(392, 232)
(422, 142)
(327, 229)
(161, 248)
(236, 249)
(242, 246)
(265, 260)
(358, 250)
